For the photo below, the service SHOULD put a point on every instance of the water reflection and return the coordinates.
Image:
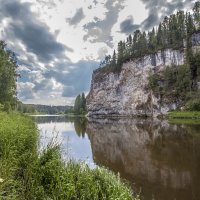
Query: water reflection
(70, 133)
(162, 160)
(43, 119)
(80, 124)
(159, 159)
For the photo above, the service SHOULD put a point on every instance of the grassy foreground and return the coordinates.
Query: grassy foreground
(26, 174)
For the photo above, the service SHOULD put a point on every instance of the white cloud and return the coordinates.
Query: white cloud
(56, 56)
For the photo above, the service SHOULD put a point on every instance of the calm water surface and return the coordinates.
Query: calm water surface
(159, 159)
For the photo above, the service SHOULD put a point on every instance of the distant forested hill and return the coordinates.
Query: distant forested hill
(43, 109)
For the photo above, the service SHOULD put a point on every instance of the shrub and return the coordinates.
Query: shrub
(193, 105)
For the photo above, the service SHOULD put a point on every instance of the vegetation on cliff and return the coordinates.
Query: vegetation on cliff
(175, 32)
(177, 85)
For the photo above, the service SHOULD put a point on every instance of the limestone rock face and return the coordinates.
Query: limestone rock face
(128, 93)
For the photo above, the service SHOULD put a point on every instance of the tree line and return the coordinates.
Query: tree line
(173, 32)
(79, 107)
(8, 78)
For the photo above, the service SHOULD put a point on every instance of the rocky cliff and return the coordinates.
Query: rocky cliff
(128, 93)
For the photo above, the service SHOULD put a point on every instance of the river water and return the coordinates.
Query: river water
(160, 160)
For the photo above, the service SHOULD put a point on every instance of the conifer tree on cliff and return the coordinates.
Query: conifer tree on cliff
(196, 14)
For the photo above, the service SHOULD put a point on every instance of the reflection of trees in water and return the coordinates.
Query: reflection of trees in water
(80, 124)
(161, 158)
(49, 119)
(52, 119)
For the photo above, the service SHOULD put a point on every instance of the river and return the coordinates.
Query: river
(160, 160)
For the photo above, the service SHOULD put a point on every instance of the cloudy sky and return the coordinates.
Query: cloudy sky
(60, 42)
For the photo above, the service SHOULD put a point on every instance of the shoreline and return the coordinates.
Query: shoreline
(169, 115)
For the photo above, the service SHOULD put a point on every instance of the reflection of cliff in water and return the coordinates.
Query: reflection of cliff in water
(162, 159)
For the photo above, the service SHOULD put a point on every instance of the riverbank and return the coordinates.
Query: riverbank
(27, 174)
(184, 115)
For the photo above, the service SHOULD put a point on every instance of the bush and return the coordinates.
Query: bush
(54, 179)
(7, 107)
(193, 105)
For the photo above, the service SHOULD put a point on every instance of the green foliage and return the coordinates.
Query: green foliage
(196, 11)
(42, 109)
(25, 174)
(80, 105)
(18, 147)
(1, 107)
(23, 108)
(193, 105)
(70, 110)
(7, 107)
(80, 124)
(153, 82)
(184, 115)
(173, 83)
(53, 179)
(194, 62)
(172, 33)
(8, 75)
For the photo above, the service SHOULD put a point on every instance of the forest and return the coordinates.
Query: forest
(174, 32)
(175, 84)
(41, 109)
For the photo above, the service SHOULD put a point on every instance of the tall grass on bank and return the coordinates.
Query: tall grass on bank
(184, 115)
(18, 149)
(25, 174)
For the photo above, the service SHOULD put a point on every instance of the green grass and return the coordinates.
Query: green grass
(26, 174)
(184, 115)
(18, 147)
(184, 121)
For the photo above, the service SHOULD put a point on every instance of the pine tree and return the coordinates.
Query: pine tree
(114, 61)
(174, 32)
(83, 101)
(120, 56)
(152, 41)
(196, 14)
(160, 39)
(80, 104)
(77, 104)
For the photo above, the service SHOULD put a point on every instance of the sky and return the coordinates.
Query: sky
(59, 43)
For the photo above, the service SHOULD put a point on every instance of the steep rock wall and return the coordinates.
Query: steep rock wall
(128, 93)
